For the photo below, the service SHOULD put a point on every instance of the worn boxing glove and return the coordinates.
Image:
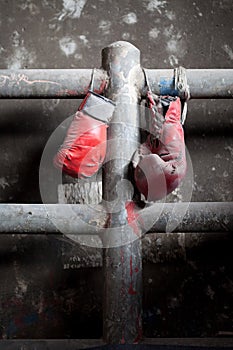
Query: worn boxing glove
(84, 148)
(162, 161)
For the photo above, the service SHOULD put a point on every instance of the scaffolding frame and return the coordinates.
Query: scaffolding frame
(121, 79)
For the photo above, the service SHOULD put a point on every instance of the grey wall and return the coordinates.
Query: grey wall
(39, 296)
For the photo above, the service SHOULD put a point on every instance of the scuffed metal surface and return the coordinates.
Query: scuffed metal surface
(122, 305)
(42, 83)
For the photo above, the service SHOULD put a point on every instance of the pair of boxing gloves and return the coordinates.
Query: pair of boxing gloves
(159, 163)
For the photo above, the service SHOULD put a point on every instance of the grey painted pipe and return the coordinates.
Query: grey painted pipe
(50, 83)
(74, 83)
(122, 304)
(81, 219)
(203, 83)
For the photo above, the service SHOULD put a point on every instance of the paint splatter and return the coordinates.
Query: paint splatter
(49, 106)
(173, 60)
(154, 33)
(28, 5)
(68, 46)
(2, 49)
(125, 36)
(156, 5)
(210, 292)
(175, 46)
(230, 149)
(15, 38)
(22, 286)
(130, 18)
(4, 183)
(84, 39)
(105, 26)
(170, 15)
(228, 50)
(21, 58)
(78, 56)
(172, 45)
(72, 9)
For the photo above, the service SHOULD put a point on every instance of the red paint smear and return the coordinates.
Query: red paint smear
(123, 339)
(136, 269)
(139, 328)
(131, 291)
(102, 87)
(67, 92)
(132, 216)
(131, 266)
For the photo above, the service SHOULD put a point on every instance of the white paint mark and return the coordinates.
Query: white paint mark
(78, 56)
(130, 18)
(28, 5)
(156, 5)
(230, 149)
(4, 183)
(210, 292)
(84, 39)
(34, 10)
(173, 60)
(72, 9)
(15, 38)
(1, 49)
(68, 46)
(177, 195)
(170, 15)
(228, 50)
(125, 36)
(154, 33)
(52, 26)
(21, 287)
(168, 31)
(175, 45)
(49, 106)
(105, 26)
(172, 45)
(21, 58)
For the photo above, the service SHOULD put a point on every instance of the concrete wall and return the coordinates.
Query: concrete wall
(41, 296)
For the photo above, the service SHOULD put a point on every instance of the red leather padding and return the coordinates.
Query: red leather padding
(162, 165)
(84, 148)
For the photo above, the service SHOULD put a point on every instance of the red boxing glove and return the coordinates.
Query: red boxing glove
(84, 148)
(162, 163)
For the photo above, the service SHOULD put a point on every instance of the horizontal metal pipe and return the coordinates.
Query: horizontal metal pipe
(74, 83)
(203, 83)
(190, 217)
(51, 218)
(82, 219)
(49, 83)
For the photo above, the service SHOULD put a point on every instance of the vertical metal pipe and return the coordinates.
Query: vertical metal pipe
(122, 256)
